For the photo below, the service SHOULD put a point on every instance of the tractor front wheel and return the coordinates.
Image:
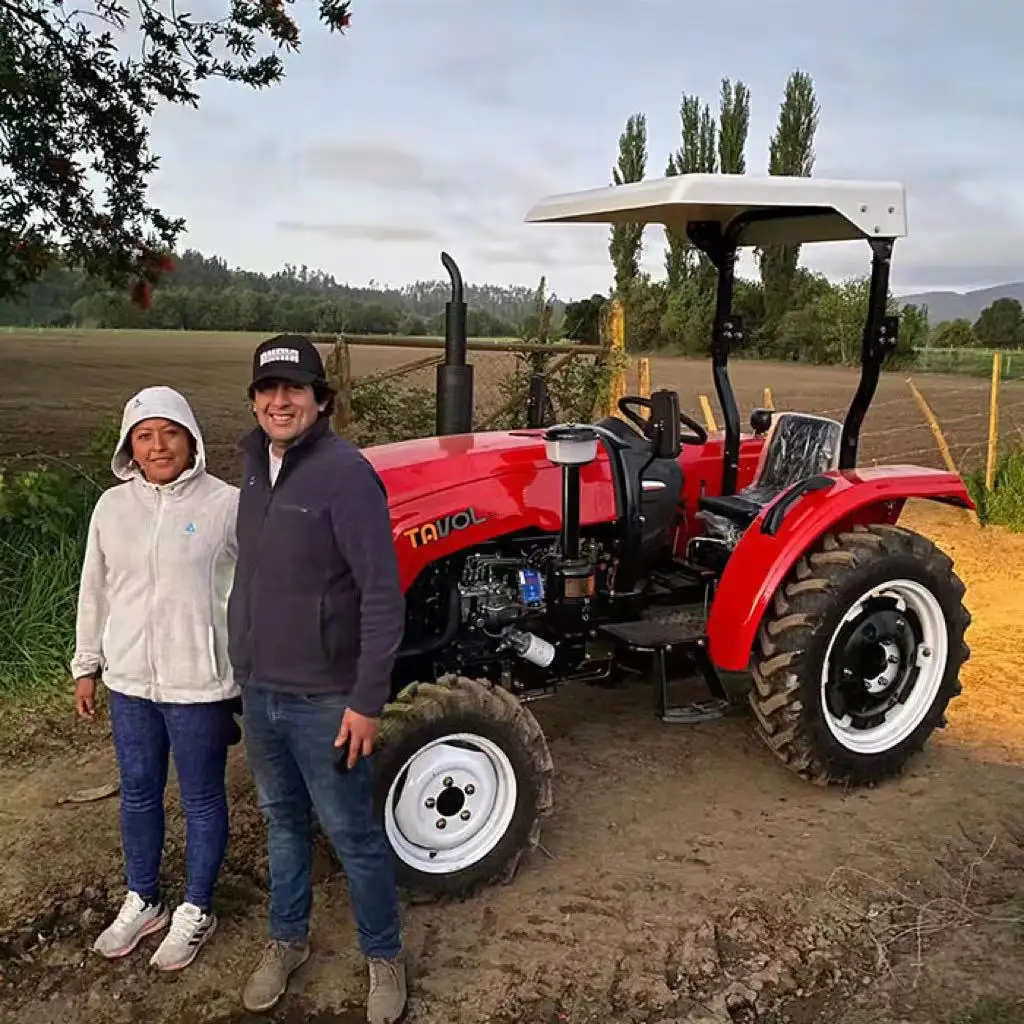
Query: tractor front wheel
(463, 780)
(858, 658)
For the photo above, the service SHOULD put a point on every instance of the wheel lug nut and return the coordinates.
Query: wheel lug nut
(447, 782)
(441, 823)
(430, 802)
(470, 789)
(464, 815)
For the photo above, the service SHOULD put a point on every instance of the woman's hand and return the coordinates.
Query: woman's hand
(85, 697)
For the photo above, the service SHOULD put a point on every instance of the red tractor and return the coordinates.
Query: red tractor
(534, 558)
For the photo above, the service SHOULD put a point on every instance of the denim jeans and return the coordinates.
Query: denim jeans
(198, 736)
(289, 741)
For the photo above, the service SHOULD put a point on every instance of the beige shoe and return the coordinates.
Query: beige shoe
(386, 1002)
(269, 981)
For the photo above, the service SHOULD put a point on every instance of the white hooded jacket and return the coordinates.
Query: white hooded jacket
(158, 568)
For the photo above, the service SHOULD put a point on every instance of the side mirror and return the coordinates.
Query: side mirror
(761, 420)
(664, 424)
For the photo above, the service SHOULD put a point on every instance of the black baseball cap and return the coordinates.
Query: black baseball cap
(290, 357)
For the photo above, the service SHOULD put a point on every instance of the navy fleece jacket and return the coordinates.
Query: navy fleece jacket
(316, 606)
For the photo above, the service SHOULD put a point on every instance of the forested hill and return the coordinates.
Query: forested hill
(203, 293)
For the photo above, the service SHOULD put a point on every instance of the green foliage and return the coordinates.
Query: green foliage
(44, 519)
(733, 127)
(791, 152)
(830, 327)
(1004, 504)
(625, 244)
(391, 410)
(698, 154)
(1001, 325)
(953, 334)
(75, 107)
(582, 320)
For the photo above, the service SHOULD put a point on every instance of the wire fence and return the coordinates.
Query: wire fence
(896, 430)
(972, 362)
(61, 388)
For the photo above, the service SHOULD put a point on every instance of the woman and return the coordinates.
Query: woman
(158, 568)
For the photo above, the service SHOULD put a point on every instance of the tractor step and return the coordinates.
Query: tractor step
(680, 578)
(659, 639)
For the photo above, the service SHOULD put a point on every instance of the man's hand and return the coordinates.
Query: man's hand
(85, 697)
(360, 731)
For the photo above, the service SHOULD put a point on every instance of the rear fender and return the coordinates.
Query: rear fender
(761, 561)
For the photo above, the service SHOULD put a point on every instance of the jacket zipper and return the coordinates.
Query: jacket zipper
(271, 488)
(157, 521)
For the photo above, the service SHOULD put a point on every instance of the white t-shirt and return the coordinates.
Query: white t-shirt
(275, 467)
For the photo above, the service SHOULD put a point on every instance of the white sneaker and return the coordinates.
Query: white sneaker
(135, 920)
(190, 928)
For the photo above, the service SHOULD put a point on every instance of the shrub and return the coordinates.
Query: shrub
(1004, 504)
(44, 519)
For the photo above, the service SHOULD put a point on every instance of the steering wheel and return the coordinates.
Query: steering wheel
(698, 436)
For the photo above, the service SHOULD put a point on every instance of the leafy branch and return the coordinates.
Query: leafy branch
(75, 105)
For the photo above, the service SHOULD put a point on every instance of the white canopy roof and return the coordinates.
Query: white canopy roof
(786, 210)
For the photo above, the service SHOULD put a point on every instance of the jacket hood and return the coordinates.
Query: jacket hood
(150, 403)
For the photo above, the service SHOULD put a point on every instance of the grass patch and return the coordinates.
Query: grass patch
(1004, 504)
(44, 520)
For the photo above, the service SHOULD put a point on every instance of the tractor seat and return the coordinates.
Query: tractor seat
(798, 446)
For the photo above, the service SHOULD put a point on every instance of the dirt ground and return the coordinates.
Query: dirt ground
(685, 876)
(58, 386)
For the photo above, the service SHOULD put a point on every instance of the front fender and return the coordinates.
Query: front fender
(761, 561)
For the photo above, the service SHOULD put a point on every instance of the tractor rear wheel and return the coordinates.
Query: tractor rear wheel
(860, 654)
(463, 781)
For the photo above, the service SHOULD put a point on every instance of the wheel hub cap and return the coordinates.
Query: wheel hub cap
(884, 666)
(450, 803)
(448, 795)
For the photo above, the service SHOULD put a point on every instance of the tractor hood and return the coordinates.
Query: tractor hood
(414, 469)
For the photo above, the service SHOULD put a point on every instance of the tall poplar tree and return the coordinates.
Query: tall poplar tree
(791, 152)
(696, 155)
(626, 243)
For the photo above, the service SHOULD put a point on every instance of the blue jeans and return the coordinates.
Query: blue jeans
(198, 735)
(289, 741)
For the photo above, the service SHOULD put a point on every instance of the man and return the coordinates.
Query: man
(315, 619)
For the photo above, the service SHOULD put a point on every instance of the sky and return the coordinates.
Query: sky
(436, 124)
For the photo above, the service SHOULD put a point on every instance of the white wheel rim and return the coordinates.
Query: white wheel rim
(462, 779)
(923, 615)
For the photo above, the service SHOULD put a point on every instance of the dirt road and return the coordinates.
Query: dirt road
(687, 877)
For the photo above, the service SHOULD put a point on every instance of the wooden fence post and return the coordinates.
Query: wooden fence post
(993, 422)
(616, 354)
(709, 416)
(643, 377)
(940, 439)
(339, 372)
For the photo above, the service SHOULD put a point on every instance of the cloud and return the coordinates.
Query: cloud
(378, 165)
(361, 232)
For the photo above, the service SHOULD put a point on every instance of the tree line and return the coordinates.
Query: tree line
(203, 293)
(999, 325)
